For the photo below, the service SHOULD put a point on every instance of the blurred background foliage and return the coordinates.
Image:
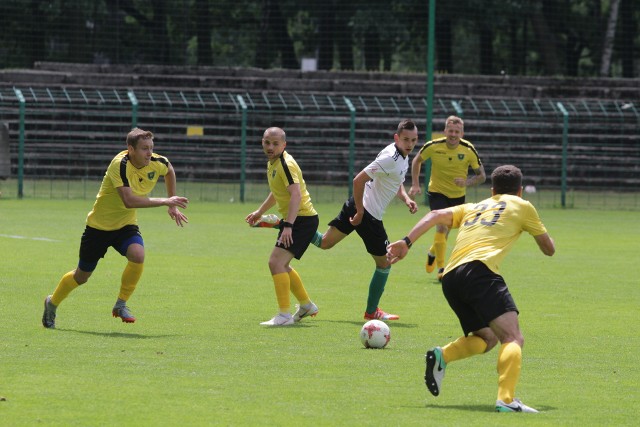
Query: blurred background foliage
(582, 38)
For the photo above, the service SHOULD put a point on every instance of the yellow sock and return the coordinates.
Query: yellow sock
(509, 364)
(64, 288)
(130, 277)
(463, 347)
(297, 288)
(282, 284)
(440, 248)
(432, 249)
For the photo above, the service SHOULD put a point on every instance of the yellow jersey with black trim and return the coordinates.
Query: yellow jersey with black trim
(109, 212)
(282, 173)
(449, 163)
(488, 229)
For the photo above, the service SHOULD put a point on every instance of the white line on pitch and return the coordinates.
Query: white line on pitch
(45, 239)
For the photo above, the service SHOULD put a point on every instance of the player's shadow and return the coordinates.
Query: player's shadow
(116, 334)
(480, 408)
(470, 408)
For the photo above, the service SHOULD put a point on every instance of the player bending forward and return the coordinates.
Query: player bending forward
(472, 285)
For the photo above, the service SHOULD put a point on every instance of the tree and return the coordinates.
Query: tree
(627, 36)
(609, 37)
(547, 45)
(203, 32)
(274, 40)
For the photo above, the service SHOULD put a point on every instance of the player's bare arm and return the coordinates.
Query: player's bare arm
(286, 238)
(546, 244)
(399, 249)
(173, 211)
(411, 204)
(358, 194)
(132, 201)
(268, 203)
(477, 179)
(416, 166)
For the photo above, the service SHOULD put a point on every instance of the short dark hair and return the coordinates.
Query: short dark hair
(136, 135)
(406, 124)
(506, 179)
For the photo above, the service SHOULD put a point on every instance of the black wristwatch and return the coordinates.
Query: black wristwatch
(285, 224)
(407, 241)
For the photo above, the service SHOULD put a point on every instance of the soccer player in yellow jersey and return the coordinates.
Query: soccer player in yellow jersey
(112, 222)
(451, 157)
(297, 228)
(472, 284)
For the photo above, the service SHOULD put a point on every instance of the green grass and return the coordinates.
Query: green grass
(197, 355)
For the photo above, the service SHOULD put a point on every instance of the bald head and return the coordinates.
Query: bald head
(274, 133)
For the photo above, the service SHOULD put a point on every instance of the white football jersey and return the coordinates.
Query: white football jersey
(387, 174)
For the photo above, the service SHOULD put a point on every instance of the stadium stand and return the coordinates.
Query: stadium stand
(77, 116)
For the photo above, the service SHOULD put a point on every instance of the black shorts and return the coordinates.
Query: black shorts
(440, 201)
(304, 229)
(94, 242)
(477, 295)
(370, 230)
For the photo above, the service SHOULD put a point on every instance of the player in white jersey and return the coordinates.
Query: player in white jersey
(373, 189)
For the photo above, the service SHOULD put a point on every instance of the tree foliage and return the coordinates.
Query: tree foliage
(548, 37)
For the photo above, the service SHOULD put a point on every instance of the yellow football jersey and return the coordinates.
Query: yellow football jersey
(447, 164)
(488, 229)
(281, 174)
(109, 212)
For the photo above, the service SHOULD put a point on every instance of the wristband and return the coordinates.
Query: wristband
(285, 224)
(407, 241)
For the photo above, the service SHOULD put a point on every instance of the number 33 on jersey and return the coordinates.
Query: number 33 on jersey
(491, 227)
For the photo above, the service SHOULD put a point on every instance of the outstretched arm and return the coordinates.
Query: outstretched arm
(268, 203)
(133, 201)
(398, 250)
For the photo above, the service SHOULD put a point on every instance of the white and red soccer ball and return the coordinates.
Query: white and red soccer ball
(375, 334)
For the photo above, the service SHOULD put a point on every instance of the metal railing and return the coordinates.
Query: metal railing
(214, 136)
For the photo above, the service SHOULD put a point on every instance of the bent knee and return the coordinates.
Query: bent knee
(326, 244)
(491, 343)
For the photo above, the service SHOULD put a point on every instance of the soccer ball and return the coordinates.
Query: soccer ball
(375, 334)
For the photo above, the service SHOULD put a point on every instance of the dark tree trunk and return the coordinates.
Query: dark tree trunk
(444, 46)
(371, 50)
(344, 41)
(547, 45)
(326, 33)
(486, 50)
(515, 50)
(572, 55)
(37, 36)
(203, 32)
(161, 32)
(274, 38)
(628, 34)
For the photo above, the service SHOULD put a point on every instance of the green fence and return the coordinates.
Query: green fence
(574, 153)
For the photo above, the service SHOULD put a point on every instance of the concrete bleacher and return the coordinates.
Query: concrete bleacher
(509, 119)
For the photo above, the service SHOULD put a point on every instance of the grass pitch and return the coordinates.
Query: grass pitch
(198, 356)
